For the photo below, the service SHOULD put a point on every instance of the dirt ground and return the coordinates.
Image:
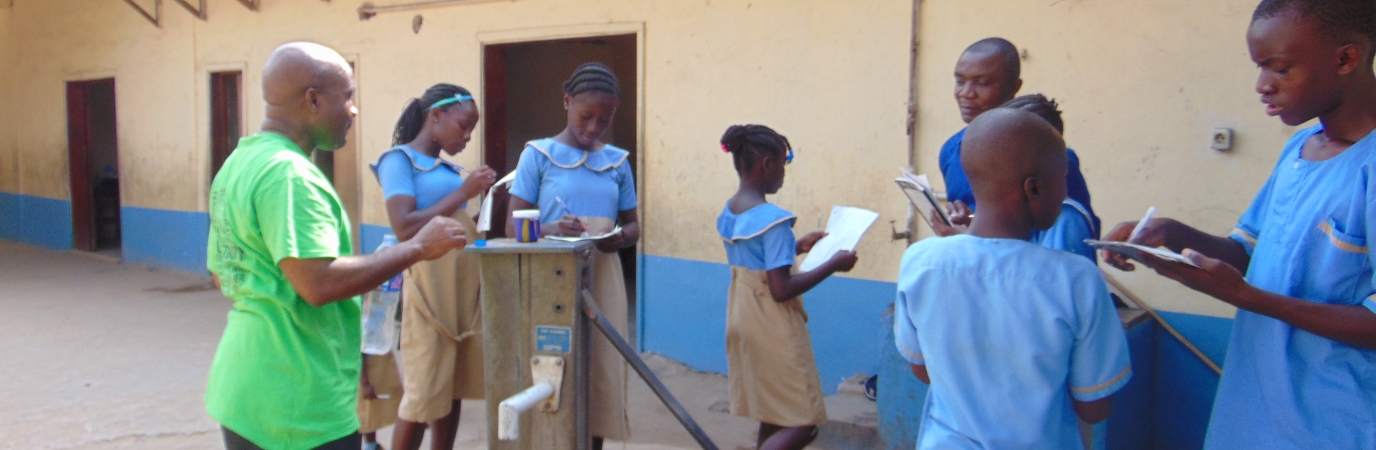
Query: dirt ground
(104, 355)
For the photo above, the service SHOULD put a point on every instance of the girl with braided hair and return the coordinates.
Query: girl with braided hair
(771, 370)
(583, 185)
(441, 351)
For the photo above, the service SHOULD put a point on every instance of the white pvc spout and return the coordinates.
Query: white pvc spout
(509, 411)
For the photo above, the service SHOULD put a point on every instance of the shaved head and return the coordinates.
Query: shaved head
(1015, 160)
(1005, 51)
(309, 91)
(296, 66)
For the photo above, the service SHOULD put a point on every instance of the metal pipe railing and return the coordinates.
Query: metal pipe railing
(1164, 325)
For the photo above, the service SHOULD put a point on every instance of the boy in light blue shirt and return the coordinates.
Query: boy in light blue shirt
(1301, 366)
(1016, 339)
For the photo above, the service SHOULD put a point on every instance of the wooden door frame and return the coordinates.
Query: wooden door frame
(79, 167)
(489, 40)
(82, 192)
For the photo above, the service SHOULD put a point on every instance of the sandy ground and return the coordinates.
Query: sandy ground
(102, 355)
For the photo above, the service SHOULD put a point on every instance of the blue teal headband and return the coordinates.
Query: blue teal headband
(455, 99)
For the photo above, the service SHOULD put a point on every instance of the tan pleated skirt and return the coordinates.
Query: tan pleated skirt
(380, 413)
(771, 369)
(608, 372)
(441, 333)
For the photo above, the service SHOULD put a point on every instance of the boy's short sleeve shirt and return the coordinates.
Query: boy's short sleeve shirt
(1307, 232)
(1009, 331)
(285, 373)
(1072, 227)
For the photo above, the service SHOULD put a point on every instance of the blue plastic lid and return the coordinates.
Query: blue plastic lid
(480, 243)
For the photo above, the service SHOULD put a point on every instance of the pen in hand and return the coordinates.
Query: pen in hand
(565, 207)
(1142, 223)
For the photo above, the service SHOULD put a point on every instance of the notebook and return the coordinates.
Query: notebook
(1135, 251)
(919, 192)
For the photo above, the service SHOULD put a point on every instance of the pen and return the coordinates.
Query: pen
(564, 207)
(1142, 223)
(819, 221)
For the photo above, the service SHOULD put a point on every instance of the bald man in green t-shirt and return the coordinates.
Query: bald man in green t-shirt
(285, 375)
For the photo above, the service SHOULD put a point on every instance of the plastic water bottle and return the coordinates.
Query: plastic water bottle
(380, 322)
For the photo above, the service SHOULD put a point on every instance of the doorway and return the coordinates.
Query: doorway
(225, 126)
(523, 101)
(93, 166)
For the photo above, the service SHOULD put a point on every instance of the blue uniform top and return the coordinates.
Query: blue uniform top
(760, 238)
(958, 185)
(593, 184)
(405, 171)
(1009, 332)
(1307, 232)
(1073, 226)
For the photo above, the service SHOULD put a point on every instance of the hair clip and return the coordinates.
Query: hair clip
(724, 149)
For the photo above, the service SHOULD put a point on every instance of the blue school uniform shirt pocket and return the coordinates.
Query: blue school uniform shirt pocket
(1337, 257)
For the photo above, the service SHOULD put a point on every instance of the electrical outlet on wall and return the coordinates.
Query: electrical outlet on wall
(1222, 139)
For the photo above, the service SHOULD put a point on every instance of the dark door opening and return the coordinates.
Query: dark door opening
(523, 101)
(93, 165)
(225, 127)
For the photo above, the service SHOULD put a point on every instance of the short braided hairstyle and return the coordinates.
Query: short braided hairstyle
(1335, 18)
(749, 144)
(592, 77)
(1041, 106)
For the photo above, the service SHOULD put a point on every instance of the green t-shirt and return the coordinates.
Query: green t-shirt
(286, 373)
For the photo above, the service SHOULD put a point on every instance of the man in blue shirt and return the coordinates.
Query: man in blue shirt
(987, 76)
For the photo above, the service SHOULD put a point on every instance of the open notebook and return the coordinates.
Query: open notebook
(919, 192)
(1135, 251)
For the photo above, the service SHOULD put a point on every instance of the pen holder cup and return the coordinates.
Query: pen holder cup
(527, 225)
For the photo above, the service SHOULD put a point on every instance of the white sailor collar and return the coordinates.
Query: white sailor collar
(412, 155)
(608, 157)
(751, 223)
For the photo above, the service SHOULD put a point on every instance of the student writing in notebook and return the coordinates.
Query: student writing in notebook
(1299, 372)
(771, 370)
(1017, 340)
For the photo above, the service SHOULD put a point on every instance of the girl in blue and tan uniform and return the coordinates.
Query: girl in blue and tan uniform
(772, 373)
(441, 338)
(593, 180)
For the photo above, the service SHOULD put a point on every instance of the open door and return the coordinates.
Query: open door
(93, 165)
(523, 101)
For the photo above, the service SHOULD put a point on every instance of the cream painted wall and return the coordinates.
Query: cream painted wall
(59, 42)
(9, 158)
(1141, 84)
(831, 76)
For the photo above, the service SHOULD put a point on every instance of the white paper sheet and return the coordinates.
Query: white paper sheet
(485, 216)
(586, 238)
(844, 229)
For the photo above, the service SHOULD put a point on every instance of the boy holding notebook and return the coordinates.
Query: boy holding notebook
(1016, 339)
